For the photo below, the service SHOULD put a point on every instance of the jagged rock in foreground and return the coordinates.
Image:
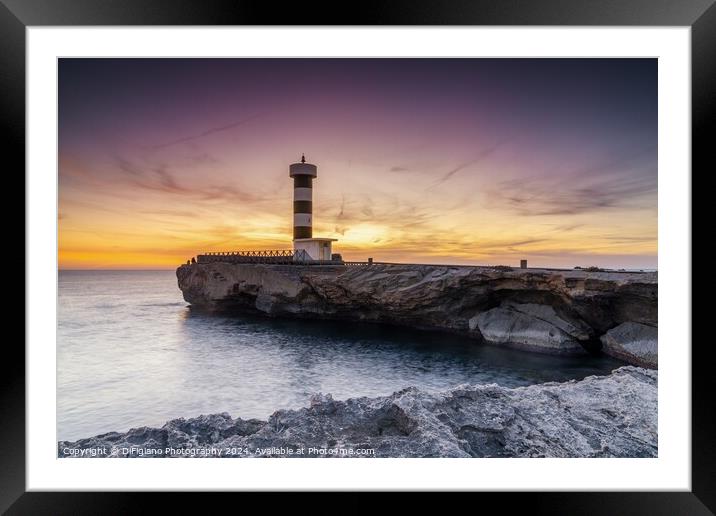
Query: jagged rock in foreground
(635, 343)
(599, 416)
(549, 311)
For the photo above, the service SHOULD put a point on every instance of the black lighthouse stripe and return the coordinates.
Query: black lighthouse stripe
(302, 207)
(302, 232)
(300, 181)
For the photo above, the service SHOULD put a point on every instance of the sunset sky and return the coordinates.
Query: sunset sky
(481, 161)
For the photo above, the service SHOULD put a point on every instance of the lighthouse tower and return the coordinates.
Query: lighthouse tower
(302, 174)
(317, 249)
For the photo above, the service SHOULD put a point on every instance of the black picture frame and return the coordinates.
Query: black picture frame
(700, 15)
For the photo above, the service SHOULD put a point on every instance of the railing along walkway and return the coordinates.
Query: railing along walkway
(275, 256)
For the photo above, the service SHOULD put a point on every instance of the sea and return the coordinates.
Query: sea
(131, 352)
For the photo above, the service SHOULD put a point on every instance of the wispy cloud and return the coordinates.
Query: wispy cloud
(201, 159)
(485, 153)
(172, 213)
(622, 182)
(128, 167)
(160, 178)
(204, 134)
(562, 198)
(619, 162)
(565, 228)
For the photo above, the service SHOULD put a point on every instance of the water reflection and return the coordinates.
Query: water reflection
(354, 359)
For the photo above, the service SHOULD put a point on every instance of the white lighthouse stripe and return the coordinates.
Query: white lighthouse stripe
(302, 194)
(302, 219)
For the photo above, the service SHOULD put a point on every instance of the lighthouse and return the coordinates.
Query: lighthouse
(316, 249)
(303, 174)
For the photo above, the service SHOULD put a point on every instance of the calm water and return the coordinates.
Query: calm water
(131, 352)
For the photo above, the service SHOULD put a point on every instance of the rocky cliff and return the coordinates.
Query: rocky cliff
(561, 312)
(599, 416)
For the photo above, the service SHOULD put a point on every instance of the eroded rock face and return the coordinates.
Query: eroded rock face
(634, 343)
(538, 310)
(531, 327)
(599, 416)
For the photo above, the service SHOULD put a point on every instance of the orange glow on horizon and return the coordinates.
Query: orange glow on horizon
(123, 231)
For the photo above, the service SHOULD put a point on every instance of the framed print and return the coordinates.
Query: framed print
(425, 243)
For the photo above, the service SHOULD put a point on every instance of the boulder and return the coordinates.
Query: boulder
(633, 342)
(531, 327)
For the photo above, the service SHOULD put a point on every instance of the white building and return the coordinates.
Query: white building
(316, 248)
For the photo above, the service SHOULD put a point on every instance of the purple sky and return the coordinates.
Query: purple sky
(430, 160)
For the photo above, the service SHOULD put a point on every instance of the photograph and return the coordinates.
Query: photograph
(383, 257)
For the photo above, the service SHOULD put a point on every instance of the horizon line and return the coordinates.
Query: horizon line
(606, 269)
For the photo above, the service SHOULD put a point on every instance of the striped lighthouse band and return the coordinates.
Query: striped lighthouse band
(302, 174)
(302, 169)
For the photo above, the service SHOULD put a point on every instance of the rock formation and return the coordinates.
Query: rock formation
(531, 326)
(634, 343)
(599, 416)
(550, 311)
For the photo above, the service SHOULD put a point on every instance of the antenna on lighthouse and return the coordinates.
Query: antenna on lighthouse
(303, 158)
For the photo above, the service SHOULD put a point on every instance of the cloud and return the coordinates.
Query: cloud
(619, 162)
(204, 134)
(128, 167)
(160, 178)
(367, 208)
(628, 239)
(378, 210)
(564, 228)
(449, 244)
(529, 198)
(399, 169)
(173, 213)
(485, 153)
(202, 158)
(341, 217)
(341, 212)
(618, 183)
